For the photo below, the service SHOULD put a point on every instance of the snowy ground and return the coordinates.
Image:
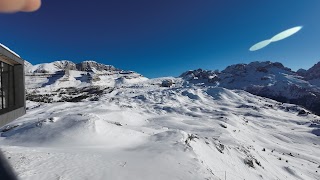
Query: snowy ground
(148, 132)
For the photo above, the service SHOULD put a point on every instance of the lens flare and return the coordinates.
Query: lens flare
(281, 36)
(260, 45)
(285, 34)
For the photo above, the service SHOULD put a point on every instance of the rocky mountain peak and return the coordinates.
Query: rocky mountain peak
(199, 74)
(264, 67)
(89, 65)
(64, 65)
(313, 72)
(302, 72)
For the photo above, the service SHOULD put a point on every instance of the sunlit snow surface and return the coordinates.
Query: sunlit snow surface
(283, 35)
(143, 131)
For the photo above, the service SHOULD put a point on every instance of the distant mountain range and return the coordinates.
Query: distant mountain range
(267, 79)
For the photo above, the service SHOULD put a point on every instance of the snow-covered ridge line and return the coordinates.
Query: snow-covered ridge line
(64, 65)
(63, 74)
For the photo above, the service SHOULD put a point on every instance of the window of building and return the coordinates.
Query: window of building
(7, 98)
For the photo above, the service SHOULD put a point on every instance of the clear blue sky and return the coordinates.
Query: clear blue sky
(165, 37)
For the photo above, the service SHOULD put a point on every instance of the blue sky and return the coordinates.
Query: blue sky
(165, 37)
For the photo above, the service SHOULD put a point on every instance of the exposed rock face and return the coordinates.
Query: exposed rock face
(263, 67)
(89, 65)
(302, 72)
(313, 72)
(267, 79)
(167, 83)
(65, 65)
(201, 75)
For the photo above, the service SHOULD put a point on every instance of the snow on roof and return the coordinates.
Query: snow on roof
(9, 50)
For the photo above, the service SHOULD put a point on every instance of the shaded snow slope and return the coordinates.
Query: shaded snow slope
(143, 131)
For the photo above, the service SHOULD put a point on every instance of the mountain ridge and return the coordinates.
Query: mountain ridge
(267, 79)
(64, 65)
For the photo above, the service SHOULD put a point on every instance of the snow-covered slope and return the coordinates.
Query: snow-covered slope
(143, 131)
(267, 79)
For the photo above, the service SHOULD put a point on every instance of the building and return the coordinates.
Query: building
(12, 87)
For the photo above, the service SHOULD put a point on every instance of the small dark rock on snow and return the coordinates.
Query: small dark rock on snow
(249, 162)
(302, 112)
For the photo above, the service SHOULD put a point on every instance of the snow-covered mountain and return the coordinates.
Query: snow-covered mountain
(65, 81)
(94, 121)
(50, 68)
(66, 74)
(266, 79)
(68, 65)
